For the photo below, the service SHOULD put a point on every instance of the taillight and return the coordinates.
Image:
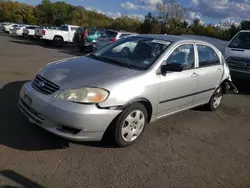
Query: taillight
(43, 32)
(112, 40)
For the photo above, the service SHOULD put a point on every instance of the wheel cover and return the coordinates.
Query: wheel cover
(217, 98)
(133, 126)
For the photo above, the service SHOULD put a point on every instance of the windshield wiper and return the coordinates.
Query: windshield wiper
(113, 61)
(118, 62)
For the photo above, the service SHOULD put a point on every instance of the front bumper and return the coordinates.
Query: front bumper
(66, 119)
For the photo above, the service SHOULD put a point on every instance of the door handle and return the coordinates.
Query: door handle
(194, 74)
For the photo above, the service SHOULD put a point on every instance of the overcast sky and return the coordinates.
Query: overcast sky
(209, 11)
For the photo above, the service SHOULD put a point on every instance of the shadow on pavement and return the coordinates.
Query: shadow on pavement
(15, 130)
(19, 179)
(66, 48)
(243, 86)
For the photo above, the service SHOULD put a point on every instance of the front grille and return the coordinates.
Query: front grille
(238, 63)
(44, 86)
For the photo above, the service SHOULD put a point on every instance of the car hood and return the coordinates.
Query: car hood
(85, 72)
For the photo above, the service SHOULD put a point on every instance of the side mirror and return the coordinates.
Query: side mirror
(173, 67)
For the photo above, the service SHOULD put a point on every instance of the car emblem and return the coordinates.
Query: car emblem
(242, 64)
(41, 84)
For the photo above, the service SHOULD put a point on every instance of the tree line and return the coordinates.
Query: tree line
(169, 19)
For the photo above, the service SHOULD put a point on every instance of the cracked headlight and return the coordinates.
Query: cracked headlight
(84, 95)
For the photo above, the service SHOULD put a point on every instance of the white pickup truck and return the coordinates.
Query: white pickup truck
(60, 35)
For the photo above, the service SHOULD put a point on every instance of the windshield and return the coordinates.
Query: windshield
(132, 52)
(242, 40)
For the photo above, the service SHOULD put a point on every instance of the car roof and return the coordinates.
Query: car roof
(171, 38)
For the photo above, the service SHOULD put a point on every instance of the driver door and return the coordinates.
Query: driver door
(177, 90)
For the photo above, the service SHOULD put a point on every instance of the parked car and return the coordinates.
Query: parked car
(29, 31)
(110, 36)
(85, 38)
(2, 25)
(18, 31)
(8, 28)
(237, 55)
(121, 91)
(60, 35)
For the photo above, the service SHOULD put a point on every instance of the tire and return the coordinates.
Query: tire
(58, 41)
(135, 127)
(218, 95)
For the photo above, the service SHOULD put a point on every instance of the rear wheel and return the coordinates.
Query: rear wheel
(58, 41)
(130, 124)
(216, 99)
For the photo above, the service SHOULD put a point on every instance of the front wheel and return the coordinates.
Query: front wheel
(216, 99)
(130, 124)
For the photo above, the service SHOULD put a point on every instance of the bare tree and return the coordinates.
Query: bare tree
(169, 9)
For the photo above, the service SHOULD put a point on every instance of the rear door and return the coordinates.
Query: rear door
(209, 72)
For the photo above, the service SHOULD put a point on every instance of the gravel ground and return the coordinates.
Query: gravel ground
(191, 149)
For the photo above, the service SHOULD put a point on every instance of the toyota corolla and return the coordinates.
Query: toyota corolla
(124, 86)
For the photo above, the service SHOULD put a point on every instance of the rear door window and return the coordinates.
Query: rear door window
(64, 28)
(207, 56)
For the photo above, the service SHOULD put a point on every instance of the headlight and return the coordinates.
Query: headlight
(84, 95)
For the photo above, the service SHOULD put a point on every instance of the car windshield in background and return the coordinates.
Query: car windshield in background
(242, 40)
(132, 52)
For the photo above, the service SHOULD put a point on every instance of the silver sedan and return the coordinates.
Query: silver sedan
(124, 86)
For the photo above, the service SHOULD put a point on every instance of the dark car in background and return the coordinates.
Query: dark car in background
(85, 38)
